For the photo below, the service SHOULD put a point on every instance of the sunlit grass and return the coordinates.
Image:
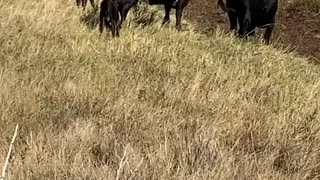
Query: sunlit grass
(152, 104)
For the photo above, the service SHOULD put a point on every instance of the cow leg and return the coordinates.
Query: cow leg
(233, 19)
(127, 7)
(245, 23)
(84, 4)
(270, 26)
(251, 30)
(242, 29)
(117, 31)
(178, 18)
(78, 3)
(113, 28)
(107, 23)
(119, 21)
(124, 12)
(101, 21)
(267, 34)
(167, 15)
(93, 5)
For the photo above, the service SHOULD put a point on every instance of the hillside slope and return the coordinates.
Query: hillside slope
(152, 104)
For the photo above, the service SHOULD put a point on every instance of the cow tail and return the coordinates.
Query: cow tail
(119, 20)
(101, 23)
(113, 12)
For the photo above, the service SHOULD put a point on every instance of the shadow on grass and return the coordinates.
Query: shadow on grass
(91, 19)
(143, 16)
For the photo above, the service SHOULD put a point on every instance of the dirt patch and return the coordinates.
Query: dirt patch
(299, 30)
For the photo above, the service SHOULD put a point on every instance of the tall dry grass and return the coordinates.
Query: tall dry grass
(303, 7)
(152, 104)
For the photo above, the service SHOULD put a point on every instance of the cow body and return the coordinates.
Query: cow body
(125, 6)
(251, 14)
(83, 3)
(113, 13)
(179, 5)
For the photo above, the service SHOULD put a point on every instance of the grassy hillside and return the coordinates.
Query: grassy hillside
(152, 104)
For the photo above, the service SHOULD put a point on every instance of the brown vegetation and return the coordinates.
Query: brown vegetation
(153, 104)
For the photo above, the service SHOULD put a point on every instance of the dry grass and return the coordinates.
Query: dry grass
(153, 104)
(303, 6)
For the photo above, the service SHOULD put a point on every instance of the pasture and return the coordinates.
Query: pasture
(154, 103)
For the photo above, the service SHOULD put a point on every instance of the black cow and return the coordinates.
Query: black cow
(113, 13)
(251, 14)
(179, 5)
(110, 16)
(83, 3)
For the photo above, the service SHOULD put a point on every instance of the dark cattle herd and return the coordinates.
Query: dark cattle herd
(244, 15)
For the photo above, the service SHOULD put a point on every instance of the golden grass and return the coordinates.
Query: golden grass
(152, 104)
(304, 6)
